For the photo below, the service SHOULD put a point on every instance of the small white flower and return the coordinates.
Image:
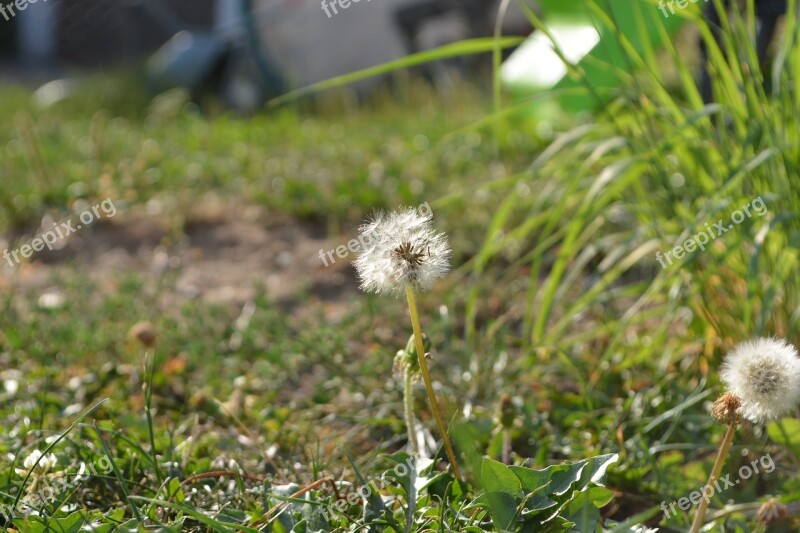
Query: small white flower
(45, 465)
(765, 375)
(41, 471)
(401, 248)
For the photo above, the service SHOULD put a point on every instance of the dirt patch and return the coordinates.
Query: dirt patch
(220, 254)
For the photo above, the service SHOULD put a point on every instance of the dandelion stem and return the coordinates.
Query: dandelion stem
(724, 446)
(426, 377)
(408, 374)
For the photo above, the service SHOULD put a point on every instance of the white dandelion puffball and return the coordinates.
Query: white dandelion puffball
(765, 375)
(401, 248)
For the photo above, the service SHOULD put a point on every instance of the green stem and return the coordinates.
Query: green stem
(408, 398)
(506, 446)
(426, 377)
(148, 399)
(724, 446)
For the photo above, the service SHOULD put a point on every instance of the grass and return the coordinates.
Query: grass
(556, 299)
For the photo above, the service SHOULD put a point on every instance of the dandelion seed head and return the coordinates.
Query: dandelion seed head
(765, 375)
(401, 248)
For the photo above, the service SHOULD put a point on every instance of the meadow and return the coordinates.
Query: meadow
(192, 364)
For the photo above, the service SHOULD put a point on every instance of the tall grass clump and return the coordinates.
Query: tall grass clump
(655, 168)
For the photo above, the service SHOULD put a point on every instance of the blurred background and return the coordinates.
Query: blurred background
(244, 50)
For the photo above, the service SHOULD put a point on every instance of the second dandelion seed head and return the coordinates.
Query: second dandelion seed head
(764, 374)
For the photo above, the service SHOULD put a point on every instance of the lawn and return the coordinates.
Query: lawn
(192, 364)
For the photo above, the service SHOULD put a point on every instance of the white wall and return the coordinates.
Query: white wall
(309, 46)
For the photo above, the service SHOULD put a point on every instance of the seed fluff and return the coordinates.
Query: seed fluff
(765, 375)
(401, 248)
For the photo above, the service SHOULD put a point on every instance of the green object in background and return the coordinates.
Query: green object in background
(591, 43)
